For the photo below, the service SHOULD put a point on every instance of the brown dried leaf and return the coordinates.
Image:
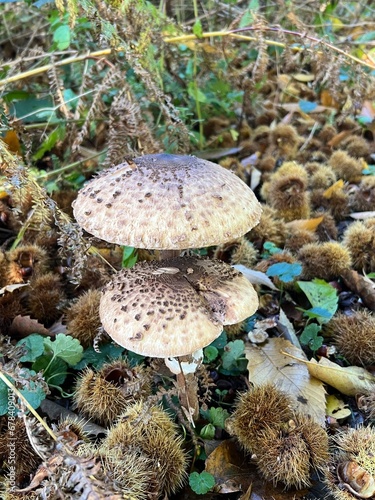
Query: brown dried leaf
(22, 326)
(11, 288)
(270, 364)
(308, 224)
(360, 285)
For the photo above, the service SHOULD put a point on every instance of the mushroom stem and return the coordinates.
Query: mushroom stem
(169, 254)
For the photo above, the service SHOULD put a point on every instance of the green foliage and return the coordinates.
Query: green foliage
(232, 358)
(35, 347)
(207, 432)
(106, 354)
(285, 271)
(201, 483)
(210, 353)
(270, 249)
(31, 390)
(129, 256)
(65, 347)
(323, 298)
(310, 336)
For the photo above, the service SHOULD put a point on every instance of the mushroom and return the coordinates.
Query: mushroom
(176, 306)
(170, 202)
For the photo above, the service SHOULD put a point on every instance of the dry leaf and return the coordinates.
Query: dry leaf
(350, 380)
(335, 141)
(22, 326)
(307, 224)
(269, 364)
(255, 277)
(337, 186)
(286, 328)
(336, 408)
(304, 77)
(11, 288)
(360, 285)
(362, 215)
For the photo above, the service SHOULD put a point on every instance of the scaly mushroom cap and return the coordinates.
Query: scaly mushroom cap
(164, 201)
(174, 307)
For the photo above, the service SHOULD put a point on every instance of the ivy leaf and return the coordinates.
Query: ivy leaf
(201, 483)
(65, 347)
(321, 295)
(35, 347)
(285, 271)
(310, 337)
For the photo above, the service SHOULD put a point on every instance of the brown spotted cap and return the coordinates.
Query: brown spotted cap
(164, 201)
(176, 306)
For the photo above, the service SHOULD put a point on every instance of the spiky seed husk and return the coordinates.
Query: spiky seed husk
(346, 167)
(359, 239)
(3, 269)
(316, 439)
(82, 318)
(298, 238)
(270, 228)
(284, 458)
(98, 399)
(45, 297)
(154, 433)
(351, 474)
(234, 330)
(354, 336)
(356, 146)
(324, 260)
(71, 431)
(337, 203)
(286, 140)
(132, 472)
(26, 261)
(364, 197)
(257, 411)
(240, 251)
(322, 178)
(26, 460)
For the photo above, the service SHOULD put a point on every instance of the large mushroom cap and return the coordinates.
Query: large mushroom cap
(174, 307)
(164, 201)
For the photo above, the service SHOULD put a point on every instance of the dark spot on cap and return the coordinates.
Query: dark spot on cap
(137, 317)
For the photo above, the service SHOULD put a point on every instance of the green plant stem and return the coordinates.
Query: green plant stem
(27, 404)
(69, 167)
(185, 38)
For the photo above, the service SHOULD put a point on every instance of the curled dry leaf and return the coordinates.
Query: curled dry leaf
(270, 364)
(22, 326)
(349, 380)
(362, 215)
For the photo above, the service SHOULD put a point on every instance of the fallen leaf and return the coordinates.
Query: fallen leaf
(255, 277)
(337, 186)
(335, 141)
(287, 329)
(362, 215)
(269, 363)
(304, 77)
(349, 380)
(308, 224)
(22, 326)
(11, 288)
(336, 408)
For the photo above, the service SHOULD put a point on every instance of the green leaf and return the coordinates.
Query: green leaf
(285, 271)
(232, 352)
(201, 483)
(310, 337)
(48, 144)
(65, 347)
(56, 373)
(217, 417)
(34, 394)
(108, 352)
(210, 353)
(322, 315)
(246, 19)
(196, 93)
(62, 37)
(129, 256)
(321, 295)
(207, 432)
(35, 346)
(221, 341)
(197, 28)
(4, 397)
